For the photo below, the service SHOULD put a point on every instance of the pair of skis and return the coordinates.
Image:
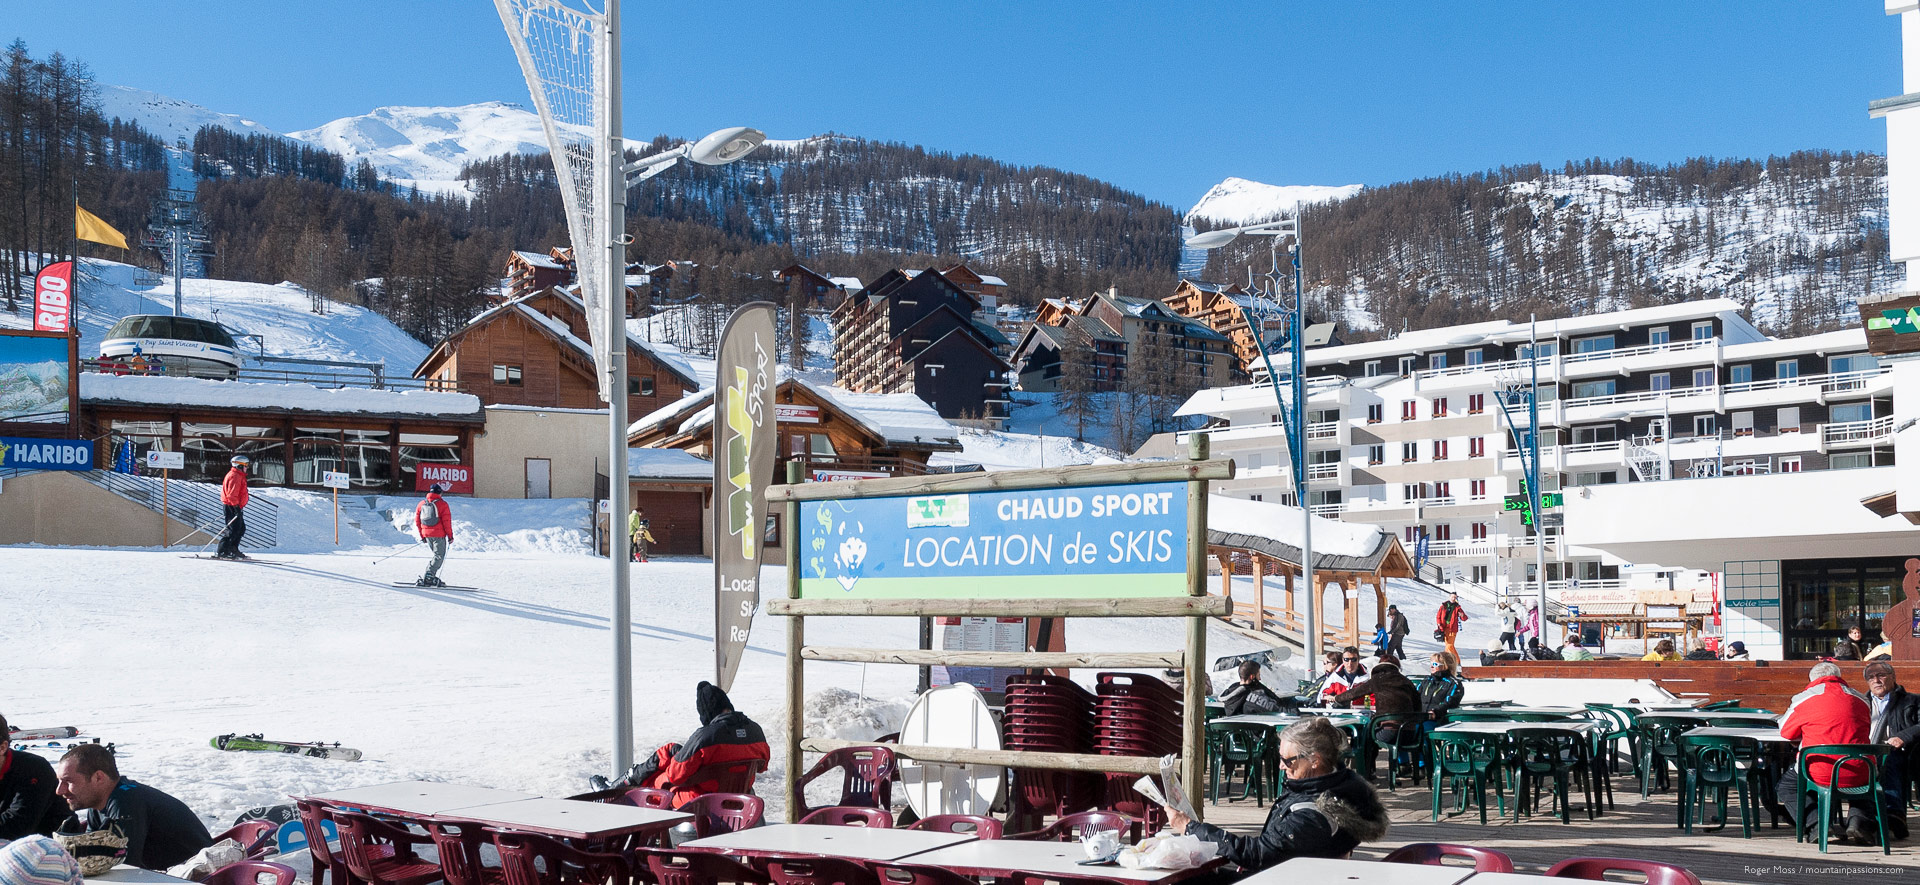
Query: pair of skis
(250, 559)
(255, 743)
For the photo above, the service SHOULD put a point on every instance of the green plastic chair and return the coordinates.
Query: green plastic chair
(1728, 704)
(1407, 740)
(1463, 762)
(1619, 727)
(1244, 745)
(1873, 755)
(1541, 754)
(1719, 765)
(1660, 745)
(1488, 714)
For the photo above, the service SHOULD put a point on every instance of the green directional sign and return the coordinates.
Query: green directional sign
(1552, 499)
(1518, 502)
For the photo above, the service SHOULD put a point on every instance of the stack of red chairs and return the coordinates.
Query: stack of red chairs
(1050, 714)
(1134, 715)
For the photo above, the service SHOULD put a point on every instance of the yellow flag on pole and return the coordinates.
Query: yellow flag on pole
(89, 227)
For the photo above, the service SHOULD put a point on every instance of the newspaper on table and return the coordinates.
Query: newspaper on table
(1173, 797)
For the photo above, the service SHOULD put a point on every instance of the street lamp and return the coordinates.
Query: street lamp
(1294, 419)
(717, 149)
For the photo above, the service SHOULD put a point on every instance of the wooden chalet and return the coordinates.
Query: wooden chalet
(533, 351)
(1221, 308)
(1117, 329)
(529, 272)
(918, 332)
(807, 286)
(987, 288)
(1247, 538)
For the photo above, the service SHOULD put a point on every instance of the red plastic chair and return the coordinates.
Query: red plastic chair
(843, 816)
(312, 812)
(256, 837)
(458, 844)
(818, 871)
(717, 813)
(915, 874)
(695, 868)
(361, 842)
(1485, 860)
(250, 872)
(644, 797)
(725, 777)
(1067, 829)
(532, 859)
(866, 777)
(1597, 868)
(972, 824)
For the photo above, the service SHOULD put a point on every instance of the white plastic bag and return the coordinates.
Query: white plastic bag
(210, 858)
(1168, 853)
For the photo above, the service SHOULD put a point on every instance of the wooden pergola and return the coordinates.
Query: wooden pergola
(1387, 560)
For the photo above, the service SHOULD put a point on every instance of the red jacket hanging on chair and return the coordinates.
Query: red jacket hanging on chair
(725, 736)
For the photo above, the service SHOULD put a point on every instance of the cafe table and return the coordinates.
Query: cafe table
(571, 818)
(126, 874)
(1764, 735)
(1326, 871)
(1758, 719)
(1002, 858)
(420, 797)
(858, 843)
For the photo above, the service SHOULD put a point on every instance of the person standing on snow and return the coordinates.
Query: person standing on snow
(434, 519)
(637, 529)
(1448, 621)
(233, 506)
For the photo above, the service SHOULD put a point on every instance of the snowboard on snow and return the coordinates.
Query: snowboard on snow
(254, 743)
(41, 734)
(441, 587)
(279, 814)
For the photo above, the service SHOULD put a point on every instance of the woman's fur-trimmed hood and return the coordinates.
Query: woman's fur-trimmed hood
(1355, 812)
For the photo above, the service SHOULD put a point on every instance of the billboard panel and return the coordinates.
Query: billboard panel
(36, 378)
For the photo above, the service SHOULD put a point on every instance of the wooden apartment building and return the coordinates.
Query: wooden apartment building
(1120, 332)
(920, 332)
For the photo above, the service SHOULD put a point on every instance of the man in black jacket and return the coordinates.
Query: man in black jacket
(27, 804)
(1893, 719)
(1397, 631)
(1250, 695)
(160, 830)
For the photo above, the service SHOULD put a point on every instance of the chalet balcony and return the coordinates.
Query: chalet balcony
(888, 464)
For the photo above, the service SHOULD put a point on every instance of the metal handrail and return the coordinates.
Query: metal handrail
(196, 504)
(289, 375)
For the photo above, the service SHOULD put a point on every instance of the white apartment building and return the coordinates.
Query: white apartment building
(1407, 433)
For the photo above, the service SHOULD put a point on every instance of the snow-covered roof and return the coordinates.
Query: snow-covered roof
(538, 260)
(668, 464)
(897, 418)
(851, 284)
(149, 390)
(1738, 330)
(987, 279)
(1235, 522)
(1823, 343)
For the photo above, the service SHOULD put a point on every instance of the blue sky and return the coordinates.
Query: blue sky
(1161, 98)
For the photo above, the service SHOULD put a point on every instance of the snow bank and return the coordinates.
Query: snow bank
(506, 525)
(1265, 519)
(1000, 450)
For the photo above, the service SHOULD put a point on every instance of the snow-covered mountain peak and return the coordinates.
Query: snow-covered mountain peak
(170, 118)
(1240, 201)
(426, 146)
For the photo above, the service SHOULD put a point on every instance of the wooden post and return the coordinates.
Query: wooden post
(1193, 742)
(164, 474)
(1287, 601)
(1259, 593)
(336, 517)
(796, 640)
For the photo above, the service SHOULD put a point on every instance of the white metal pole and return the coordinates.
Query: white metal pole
(1535, 492)
(1302, 492)
(612, 182)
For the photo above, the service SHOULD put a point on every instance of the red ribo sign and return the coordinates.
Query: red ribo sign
(53, 297)
(458, 477)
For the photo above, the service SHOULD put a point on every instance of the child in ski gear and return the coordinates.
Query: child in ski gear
(434, 519)
(27, 803)
(160, 830)
(725, 736)
(233, 506)
(637, 527)
(1507, 621)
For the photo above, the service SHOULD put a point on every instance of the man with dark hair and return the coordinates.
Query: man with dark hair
(1397, 631)
(725, 736)
(160, 830)
(27, 804)
(1893, 718)
(1250, 695)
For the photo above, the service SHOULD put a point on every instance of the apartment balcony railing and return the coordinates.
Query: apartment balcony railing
(1481, 547)
(1471, 368)
(1867, 432)
(1319, 472)
(1643, 350)
(1323, 430)
(1327, 509)
(1833, 382)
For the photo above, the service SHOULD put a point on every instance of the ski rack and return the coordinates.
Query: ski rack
(1196, 607)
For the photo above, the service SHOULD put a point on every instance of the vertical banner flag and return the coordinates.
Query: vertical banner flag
(743, 449)
(53, 297)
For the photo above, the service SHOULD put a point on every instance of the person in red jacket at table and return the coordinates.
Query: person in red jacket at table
(1828, 712)
(233, 504)
(434, 519)
(725, 735)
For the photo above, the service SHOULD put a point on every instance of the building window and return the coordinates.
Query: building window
(1409, 410)
(1436, 361)
(1373, 368)
(1703, 377)
(1256, 497)
(1740, 374)
(1703, 330)
(1546, 350)
(1660, 381)
(1439, 450)
(1253, 460)
(1657, 336)
(1788, 419)
(1850, 412)
(1477, 447)
(1859, 362)
(1413, 533)
(1376, 412)
(1596, 344)
(1479, 574)
(1376, 454)
(1584, 389)
(1440, 407)
(1476, 403)
(1786, 369)
(1790, 464)
(1596, 478)
(1443, 490)
(1743, 424)
(1410, 492)
(1705, 425)
(1851, 461)
(1409, 452)
(1406, 365)
(1477, 488)
(1475, 357)
(1443, 532)
(509, 375)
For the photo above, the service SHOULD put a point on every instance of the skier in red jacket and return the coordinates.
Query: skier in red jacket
(434, 519)
(233, 504)
(1828, 712)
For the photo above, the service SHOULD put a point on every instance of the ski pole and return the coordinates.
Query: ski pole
(215, 539)
(382, 559)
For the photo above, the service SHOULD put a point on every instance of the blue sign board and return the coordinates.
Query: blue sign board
(18, 453)
(1090, 541)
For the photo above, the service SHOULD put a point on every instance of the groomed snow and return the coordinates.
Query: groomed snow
(667, 464)
(505, 687)
(155, 390)
(999, 450)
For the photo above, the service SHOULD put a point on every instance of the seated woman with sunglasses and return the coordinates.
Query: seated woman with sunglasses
(1324, 809)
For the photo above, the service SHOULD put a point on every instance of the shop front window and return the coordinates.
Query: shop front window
(1822, 598)
(428, 448)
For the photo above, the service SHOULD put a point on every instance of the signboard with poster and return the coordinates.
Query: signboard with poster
(38, 395)
(795, 413)
(1892, 325)
(978, 634)
(828, 474)
(458, 478)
